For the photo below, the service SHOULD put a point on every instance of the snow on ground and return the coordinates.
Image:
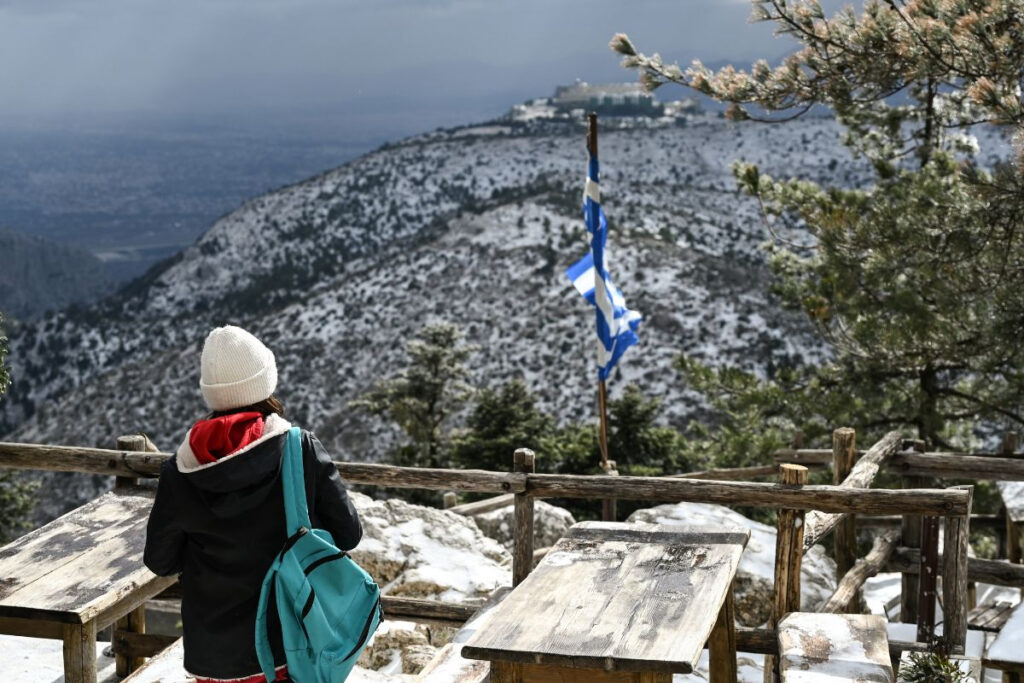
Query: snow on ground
(40, 660)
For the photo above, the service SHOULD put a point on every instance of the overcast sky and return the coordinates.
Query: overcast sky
(80, 59)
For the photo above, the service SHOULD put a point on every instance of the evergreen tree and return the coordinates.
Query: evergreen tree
(15, 495)
(635, 442)
(502, 421)
(422, 396)
(914, 281)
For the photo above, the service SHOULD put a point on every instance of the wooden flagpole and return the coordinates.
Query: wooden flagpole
(608, 512)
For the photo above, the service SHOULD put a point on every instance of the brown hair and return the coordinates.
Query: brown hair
(265, 407)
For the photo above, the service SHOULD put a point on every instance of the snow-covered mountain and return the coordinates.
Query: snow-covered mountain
(474, 225)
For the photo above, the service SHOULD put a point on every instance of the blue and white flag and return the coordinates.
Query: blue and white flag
(616, 324)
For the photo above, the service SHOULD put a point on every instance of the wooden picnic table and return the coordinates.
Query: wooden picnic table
(80, 573)
(615, 602)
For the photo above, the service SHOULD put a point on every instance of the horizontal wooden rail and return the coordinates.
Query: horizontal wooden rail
(732, 474)
(416, 608)
(998, 572)
(481, 506)
(765, 641)
(956, 466)
(988, 522)
(937, 502)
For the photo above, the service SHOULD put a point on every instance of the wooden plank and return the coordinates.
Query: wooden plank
(954, 466)
(989, 616)
(31, 628)
(844, 455)
(911, 534)
(988, 522)
(481, 506)
(956, 547)
(722, 663)
(81, 564)
(522, 521)
(788, 559)
(861, 571)
(927, 576)
(617, 597)
(998, 572)
(125, 658)
(863, 474)
(841, 647)
(547, 673)
(731, 474)
(417, 608)
(80, 652)
(133, 645)
(939, 502)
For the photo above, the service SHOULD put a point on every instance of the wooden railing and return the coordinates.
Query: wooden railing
(830, 507)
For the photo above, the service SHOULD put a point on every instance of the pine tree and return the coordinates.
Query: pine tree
(15, 495)
(501, 421)
(914, 281)
(422, 396)
(637, 444)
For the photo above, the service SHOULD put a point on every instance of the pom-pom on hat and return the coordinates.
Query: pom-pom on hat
(237, 369)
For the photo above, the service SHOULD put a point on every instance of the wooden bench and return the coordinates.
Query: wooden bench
(623, 603)
(80, 573)
(816, 647)
(1006, 652)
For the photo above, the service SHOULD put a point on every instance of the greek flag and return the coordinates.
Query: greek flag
(616, 324)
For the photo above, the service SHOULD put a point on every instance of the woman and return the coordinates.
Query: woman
(218, 519)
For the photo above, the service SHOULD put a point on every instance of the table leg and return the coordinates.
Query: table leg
(135, 622)
(80, 652)
(722, 644)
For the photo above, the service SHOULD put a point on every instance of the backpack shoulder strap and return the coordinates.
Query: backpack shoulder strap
(293, 483)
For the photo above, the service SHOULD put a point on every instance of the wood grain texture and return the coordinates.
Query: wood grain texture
(789, 554)
(83, 565)
(998, 572)
(126, 658)
(862, 570)
(722, 665)
(844, 538)
(80, 652)
(481, 506)
(522, 521)
(839, 647)
(958, 466)
(861, 476)
(956, 546)
(928, 577)
(989, 616)
(617, 597)
(911, 538)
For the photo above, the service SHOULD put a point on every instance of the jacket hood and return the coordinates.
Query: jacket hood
(242, 472)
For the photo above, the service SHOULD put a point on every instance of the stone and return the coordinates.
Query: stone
(550, 523)
(423, 552)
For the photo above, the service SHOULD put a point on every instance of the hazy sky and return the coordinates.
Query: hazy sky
(82, 59)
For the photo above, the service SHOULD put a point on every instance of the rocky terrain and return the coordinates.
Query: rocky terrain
(473, 225)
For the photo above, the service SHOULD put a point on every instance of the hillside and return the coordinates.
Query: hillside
(473, 225)
(37, 276)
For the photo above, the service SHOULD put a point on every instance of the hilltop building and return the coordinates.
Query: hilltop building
(611, 99)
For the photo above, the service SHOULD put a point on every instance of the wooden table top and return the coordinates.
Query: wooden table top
(614, 596)
(79, 565)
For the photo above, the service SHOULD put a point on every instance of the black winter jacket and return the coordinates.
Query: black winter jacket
(220, 526)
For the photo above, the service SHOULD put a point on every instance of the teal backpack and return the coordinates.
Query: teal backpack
(328, 605)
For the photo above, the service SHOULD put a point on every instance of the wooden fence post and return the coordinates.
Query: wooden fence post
(130, 442)
(609, 506)
(956, 543)
(449, 499)
(522, 549)
(927, 577)
(844, 452)
(910, 538)
(789, 553)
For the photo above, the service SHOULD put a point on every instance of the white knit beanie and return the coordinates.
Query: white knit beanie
(237, 369)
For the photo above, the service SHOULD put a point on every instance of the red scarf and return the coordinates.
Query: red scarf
(215, 438)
